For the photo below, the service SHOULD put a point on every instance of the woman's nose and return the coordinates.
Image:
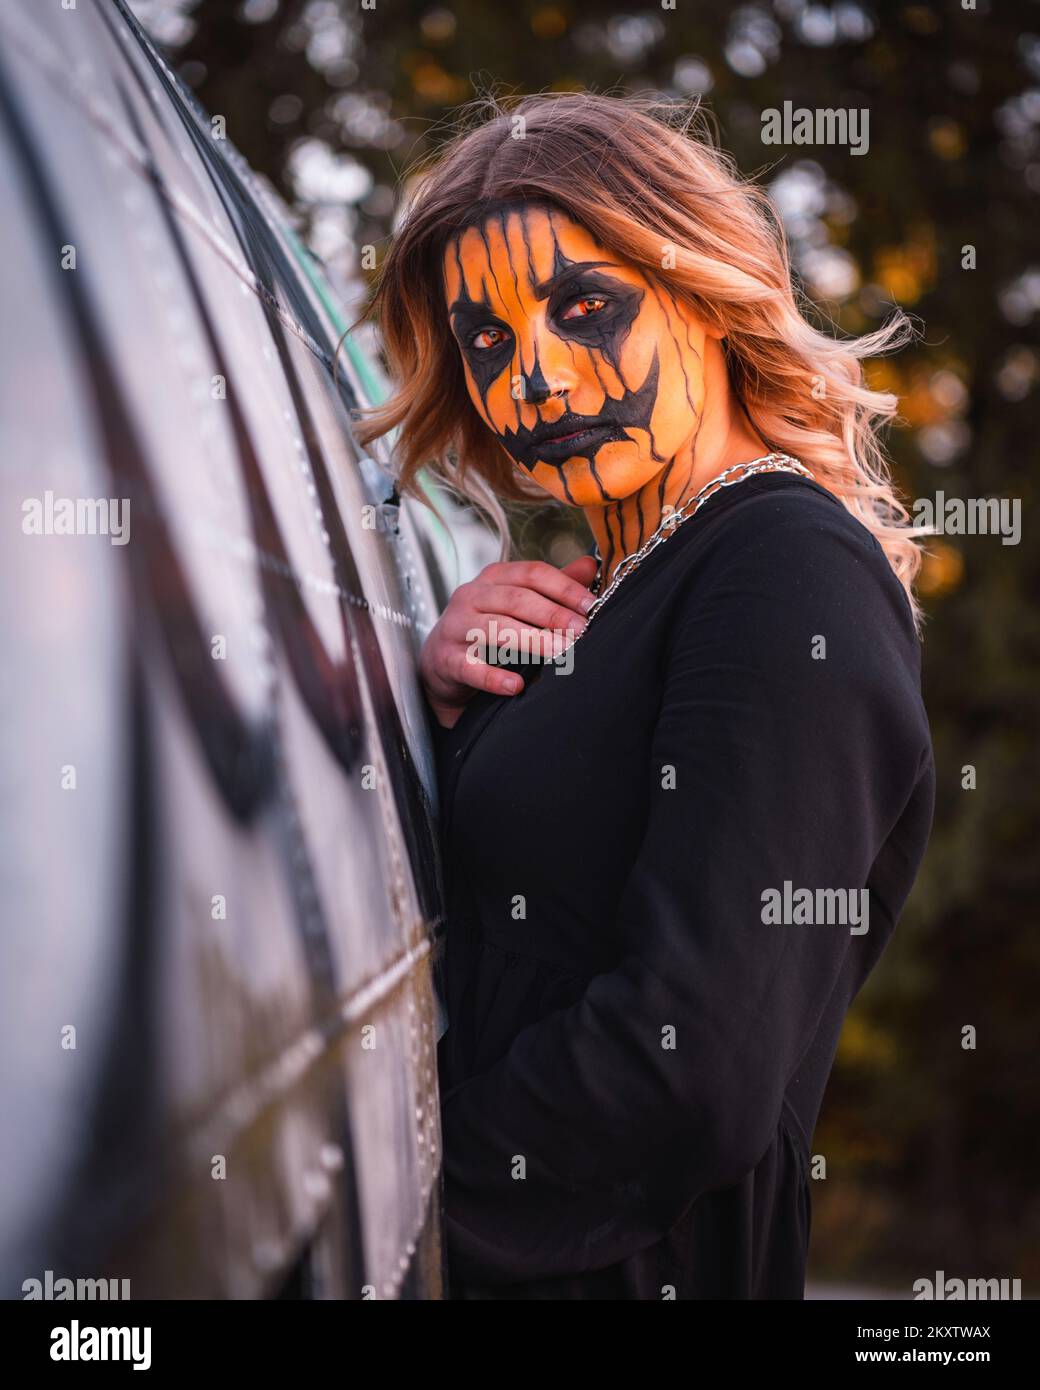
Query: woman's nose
(550, 371)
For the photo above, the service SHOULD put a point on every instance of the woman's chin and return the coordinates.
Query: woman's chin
(576, 482)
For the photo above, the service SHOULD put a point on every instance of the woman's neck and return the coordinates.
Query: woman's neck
(723, 438)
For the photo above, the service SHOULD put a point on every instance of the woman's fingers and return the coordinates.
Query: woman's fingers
(476, 674)
(506, 630)
(452, 672)
(583, 569)
(526, 606)
(542, 579)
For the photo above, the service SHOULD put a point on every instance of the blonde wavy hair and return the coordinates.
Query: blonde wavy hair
(645, 179)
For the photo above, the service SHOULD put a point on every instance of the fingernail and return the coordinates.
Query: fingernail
(513, 683)
(587, 602)
(576, 625)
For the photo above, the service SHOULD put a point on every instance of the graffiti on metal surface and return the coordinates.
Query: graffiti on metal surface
(220, 882)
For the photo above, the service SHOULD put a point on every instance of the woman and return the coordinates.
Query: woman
(674, 853)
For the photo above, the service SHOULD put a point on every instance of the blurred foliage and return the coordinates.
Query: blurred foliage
(929, 1147)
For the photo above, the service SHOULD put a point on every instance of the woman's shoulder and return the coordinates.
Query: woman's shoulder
(794, 600)
(772, 503)
(784, 544)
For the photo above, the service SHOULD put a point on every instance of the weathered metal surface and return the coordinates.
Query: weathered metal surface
(218, 863)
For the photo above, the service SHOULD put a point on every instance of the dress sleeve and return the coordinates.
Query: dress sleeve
(774, 759)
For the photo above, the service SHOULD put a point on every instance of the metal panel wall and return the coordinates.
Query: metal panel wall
(218, 871)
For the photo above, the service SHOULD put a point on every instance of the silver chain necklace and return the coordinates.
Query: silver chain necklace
(769, 463)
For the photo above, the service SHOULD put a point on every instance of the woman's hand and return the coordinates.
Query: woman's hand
(532, 604)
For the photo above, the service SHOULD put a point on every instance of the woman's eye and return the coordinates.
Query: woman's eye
(585, 307)
(487, 338)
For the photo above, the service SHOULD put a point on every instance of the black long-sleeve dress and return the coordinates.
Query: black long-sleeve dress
(637, 1048)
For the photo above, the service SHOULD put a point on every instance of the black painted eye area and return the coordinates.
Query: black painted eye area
(579, 308)
(597, 312)
(491, 336)
(483, 339)
(589, 308)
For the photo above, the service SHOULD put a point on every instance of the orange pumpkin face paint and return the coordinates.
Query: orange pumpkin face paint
(591, 376)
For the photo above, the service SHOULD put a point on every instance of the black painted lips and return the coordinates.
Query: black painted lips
(565, 439)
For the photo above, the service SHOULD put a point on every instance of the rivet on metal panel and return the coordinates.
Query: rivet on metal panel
(316, 1186)
(331, 1157)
